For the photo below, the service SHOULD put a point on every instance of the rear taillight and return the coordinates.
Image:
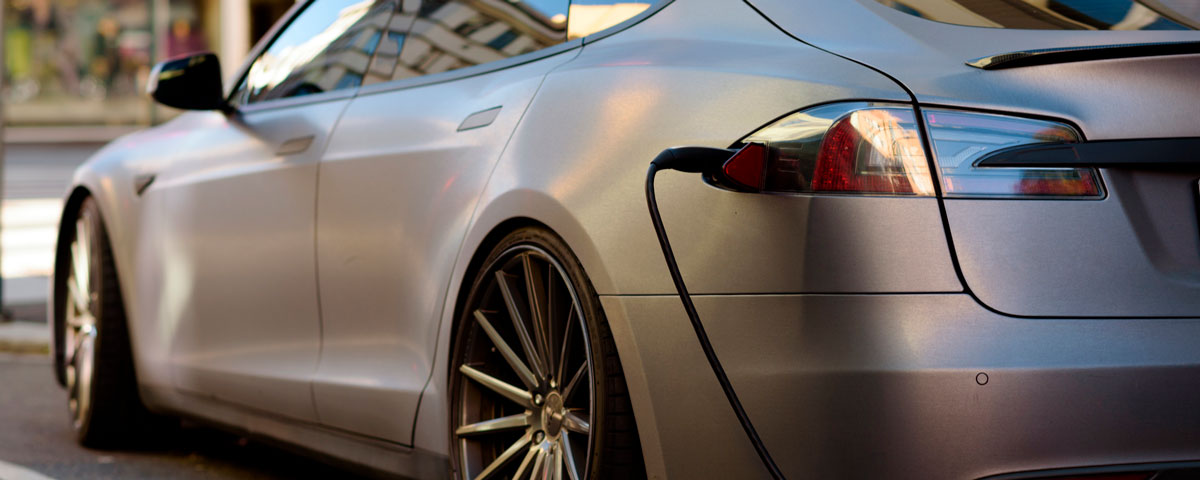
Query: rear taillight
(855, 148)
(876, 149)
(873, 151)
(961, 139)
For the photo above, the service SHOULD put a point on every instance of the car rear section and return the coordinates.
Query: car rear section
(1058, 338)
(1130, 252)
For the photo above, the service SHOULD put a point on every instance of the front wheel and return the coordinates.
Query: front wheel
(102, 395)
(537, 389)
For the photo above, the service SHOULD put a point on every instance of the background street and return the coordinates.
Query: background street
(36, 176)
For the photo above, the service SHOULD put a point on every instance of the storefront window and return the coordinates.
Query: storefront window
(76, 61)
(85, 62)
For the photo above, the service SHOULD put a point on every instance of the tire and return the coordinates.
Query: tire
(562, 409)
(102, 395)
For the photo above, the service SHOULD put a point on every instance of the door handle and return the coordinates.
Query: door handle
(480, 119)
(295, 145)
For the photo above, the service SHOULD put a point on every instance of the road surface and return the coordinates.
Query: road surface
(36, 441)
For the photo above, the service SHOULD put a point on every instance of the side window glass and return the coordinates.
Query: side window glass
(452, 34)
(386, 58)
(591, 16)
(329, 46)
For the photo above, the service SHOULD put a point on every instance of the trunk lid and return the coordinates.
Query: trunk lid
(1136, 252)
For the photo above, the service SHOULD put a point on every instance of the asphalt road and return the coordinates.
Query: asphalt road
(35, 436)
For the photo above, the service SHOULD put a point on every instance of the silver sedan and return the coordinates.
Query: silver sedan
(926, 239)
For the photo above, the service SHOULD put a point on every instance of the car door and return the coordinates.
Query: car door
(235, 210)
(397, 188)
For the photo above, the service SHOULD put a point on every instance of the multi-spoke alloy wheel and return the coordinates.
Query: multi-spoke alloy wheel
(79, 346)
(91, 338)
(530, 398)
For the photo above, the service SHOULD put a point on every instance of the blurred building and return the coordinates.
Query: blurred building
(84, 62)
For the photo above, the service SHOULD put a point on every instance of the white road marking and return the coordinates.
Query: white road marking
(30, 228)
(9, 471)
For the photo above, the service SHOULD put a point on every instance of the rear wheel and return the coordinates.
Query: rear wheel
(537, 389)
(101, 390)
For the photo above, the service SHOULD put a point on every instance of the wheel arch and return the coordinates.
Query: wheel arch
(480, 251)
(508, 212)
(498, 216)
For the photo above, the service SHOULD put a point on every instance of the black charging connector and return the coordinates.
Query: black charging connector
(701, 160)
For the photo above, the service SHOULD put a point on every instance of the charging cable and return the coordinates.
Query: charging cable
(700, 160)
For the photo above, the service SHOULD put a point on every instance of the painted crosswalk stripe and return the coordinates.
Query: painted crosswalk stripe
(9, 471)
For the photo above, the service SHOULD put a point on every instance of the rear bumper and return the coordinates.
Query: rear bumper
(892, 386)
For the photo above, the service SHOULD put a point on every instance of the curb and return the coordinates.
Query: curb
(24, 348)
(24, 338)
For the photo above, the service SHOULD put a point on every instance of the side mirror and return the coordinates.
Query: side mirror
(190, 83)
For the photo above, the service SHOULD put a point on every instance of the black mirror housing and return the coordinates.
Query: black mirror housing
(189, 83)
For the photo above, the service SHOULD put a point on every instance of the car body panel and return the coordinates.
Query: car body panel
(1129, 98)
(386, 243)
(889, 386)
(651, 76)
(649, 102)
(234, 280)
(1131, 254)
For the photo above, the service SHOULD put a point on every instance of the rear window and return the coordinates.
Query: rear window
(1058, 14)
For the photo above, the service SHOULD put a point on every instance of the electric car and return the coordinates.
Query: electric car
(926, 239)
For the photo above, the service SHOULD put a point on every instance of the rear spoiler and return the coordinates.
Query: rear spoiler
(1048, 56)
(1141, 153)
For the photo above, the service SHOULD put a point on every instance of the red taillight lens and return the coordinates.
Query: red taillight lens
(835, 163)
(1068, 183)
(842, 148)
(848, 162)
(746, 166)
